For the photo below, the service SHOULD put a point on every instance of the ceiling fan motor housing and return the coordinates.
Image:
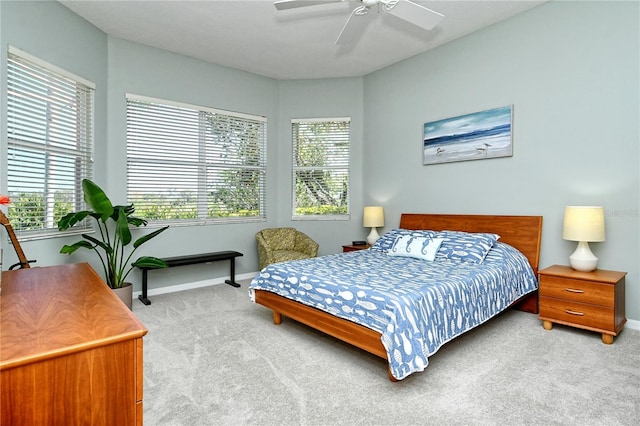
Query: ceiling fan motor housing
(368, 4)
(406, 10)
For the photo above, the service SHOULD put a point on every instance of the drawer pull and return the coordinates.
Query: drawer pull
(573, 290)
(580, 314)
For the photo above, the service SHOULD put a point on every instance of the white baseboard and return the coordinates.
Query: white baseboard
(193, 285)
(632, 324)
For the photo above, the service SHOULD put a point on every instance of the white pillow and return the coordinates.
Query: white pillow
(417, 247)
(386, 241)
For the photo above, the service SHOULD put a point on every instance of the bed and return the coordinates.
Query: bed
(404, 309)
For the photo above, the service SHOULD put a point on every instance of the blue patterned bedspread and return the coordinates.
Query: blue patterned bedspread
(416, 305)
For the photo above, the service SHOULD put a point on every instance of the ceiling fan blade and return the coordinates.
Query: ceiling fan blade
(354, 26)
(291, 4)
(416, 14)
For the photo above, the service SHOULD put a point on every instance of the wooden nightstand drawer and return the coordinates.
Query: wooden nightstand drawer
(590, 300)
(578, 290)
(597, 318)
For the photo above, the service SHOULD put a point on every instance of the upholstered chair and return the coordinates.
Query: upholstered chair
(281, 244)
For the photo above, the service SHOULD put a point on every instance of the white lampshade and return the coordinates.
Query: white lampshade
(583, 224)
(373, 217)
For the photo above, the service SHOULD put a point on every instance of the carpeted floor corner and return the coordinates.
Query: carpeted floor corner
(212, 357)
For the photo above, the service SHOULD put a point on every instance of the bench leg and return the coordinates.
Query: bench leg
(143, 297)
(232, 281)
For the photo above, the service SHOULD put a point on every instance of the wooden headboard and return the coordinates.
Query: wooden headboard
(521, 232)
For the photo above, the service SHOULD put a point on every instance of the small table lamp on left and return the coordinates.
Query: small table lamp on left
(373, 217)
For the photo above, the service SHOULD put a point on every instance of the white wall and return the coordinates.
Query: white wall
(570, 69)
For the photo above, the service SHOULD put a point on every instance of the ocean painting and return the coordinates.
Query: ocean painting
(485, 134)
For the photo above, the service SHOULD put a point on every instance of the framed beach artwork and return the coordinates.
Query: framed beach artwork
(480, 135)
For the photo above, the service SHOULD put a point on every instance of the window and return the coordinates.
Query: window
(320, 168)
(194, 165)
(49, 144)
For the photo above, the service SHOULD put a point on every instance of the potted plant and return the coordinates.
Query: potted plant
(114, 224)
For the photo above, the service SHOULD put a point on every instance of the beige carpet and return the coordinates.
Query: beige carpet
(214, 358)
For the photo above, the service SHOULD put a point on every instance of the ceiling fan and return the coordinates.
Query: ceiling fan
(404, 9)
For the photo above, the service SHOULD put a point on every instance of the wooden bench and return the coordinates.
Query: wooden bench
(193, 259)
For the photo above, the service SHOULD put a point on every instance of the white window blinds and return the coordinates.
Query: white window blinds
(189, 164)
(320, 167)
(49, 144)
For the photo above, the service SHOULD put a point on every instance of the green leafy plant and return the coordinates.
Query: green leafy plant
(114, 224)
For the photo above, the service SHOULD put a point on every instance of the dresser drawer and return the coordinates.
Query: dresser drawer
(591, 316)
(578, 290)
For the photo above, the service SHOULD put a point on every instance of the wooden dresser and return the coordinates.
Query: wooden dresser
(590, 300)
(70, 350)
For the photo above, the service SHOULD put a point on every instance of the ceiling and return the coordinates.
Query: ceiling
(253, 36)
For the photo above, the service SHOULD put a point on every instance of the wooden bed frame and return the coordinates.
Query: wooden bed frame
(522, 232)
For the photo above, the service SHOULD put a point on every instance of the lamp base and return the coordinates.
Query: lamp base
(373, 236)
(583, 259)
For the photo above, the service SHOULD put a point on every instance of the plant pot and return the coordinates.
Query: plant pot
(125, 293)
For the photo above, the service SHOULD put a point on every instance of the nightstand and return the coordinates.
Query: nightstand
(589, 300)
(351, 247)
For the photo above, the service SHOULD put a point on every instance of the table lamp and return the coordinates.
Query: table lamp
(373, 217)
(583, 224)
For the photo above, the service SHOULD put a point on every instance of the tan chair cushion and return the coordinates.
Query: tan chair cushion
(285, 255)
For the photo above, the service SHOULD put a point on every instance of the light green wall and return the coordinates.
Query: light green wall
(54, 34)
(128, 67)
(321, 99)
(143, 70)
(570, 69)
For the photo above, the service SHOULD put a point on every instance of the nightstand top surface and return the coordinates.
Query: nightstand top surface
(356, 246)
(600, 275)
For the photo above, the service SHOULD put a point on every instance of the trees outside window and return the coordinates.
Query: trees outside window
(320, 167)
(189, 164)
(49, 144)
